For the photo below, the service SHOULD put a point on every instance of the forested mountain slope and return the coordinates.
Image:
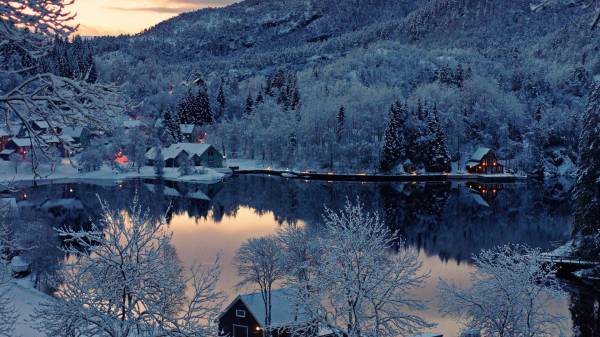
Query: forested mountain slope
(500, 74)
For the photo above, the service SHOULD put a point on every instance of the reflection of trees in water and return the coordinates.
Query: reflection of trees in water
(585, 312)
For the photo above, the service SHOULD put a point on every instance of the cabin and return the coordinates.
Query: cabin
(4, 138)
(19, 145)
(484, 161)
(200, 154)
(245, 316)
(78, 134)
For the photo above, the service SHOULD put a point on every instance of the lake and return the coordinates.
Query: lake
(446, 222)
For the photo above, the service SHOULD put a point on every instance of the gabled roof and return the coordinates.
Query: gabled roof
(74, 132)
(175, 150)
(41, 124)
(283, 311)
(479, 154)
(21, 142)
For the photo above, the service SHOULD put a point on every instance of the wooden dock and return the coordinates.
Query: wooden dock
(567, 264)
(367, 177)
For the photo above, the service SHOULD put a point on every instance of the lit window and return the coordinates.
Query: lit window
(240, 313)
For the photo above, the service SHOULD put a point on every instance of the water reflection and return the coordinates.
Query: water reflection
(446, 222)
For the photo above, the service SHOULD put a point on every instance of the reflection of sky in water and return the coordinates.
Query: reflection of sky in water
(443, 221)
(199, 240)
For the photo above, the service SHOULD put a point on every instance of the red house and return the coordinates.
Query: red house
(484, 161)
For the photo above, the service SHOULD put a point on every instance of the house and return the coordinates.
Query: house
(245, 316)
(192, 133)
(484, 161)
(200, 155)
(78, 134)
(4, 138)
(39, 127)
(20, 145)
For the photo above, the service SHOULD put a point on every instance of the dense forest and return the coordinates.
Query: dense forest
(276, 74)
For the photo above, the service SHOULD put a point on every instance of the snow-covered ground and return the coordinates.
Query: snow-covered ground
(26, 300)
(65, 171)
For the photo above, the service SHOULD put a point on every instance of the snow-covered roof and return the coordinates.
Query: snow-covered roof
(74, 132)
(21, 142)
(132, 123)
(471, 163)
(186, 129)
(175, 150)
(49, 139)
(41, 124)
(69, 203)
(7, 152)
(480, 153)
(66, 139)
(4, 133)
(283, 312)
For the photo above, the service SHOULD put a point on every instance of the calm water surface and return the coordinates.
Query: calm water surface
(446, 222)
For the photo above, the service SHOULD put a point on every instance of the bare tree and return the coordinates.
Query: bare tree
(124, 279)
(26, 28)
(360, 286)
(260, 263)
(509, 295)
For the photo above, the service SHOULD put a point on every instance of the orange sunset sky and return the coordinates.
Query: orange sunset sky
(112, 17)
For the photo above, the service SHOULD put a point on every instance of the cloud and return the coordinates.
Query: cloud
(174, 6)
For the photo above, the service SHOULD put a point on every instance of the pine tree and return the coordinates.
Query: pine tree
(587, 189)
(221, 104)
(259, 98)
(295, 103)
(393, 147)
(438, 157)
(171, 127)
(445, 75)
(340, 121)
(92, 73)
(459, 77)
(249, 108)
(195, 109)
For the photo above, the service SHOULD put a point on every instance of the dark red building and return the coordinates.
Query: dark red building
(484, 161)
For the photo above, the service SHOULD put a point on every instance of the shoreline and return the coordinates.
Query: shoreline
(364, 177)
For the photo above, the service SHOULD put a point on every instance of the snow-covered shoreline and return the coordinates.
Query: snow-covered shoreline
(67, 173)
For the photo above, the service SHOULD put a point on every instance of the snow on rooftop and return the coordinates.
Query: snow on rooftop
(4, 133)
(41, 124)
(175, 150)
(74, 132)
(21, 142)
(479, 154)
(283, 310)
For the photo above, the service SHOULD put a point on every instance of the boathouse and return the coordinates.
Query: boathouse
(484, 161)
(245, 316)
(200, 154)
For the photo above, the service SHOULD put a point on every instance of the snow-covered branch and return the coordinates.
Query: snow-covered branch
(509, 295)
(360, 286)
(124, 279)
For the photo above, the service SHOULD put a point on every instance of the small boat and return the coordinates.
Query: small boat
(20, 265)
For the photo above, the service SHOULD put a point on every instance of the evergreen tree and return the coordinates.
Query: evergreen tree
(340, 121)
(259, 98)
(587, 189)
(393, 147)
(221, 104)
(445, 75)
(438, 157)
(195, 109)
(459, 76)
(92, 73)
(295, 103)
(249, 108)
(171, 127)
